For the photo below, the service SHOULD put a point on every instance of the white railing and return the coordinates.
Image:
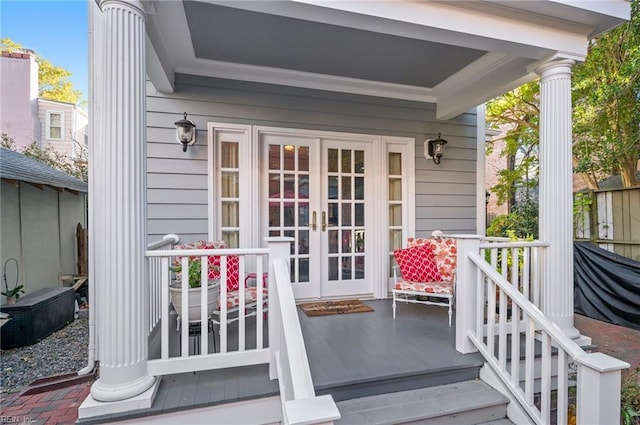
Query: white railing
(549, 385)
(221, 319)
(300, 405)
(155, 292)
(518, 262)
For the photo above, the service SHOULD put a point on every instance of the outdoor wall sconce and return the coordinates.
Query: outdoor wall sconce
(435, 148)
(185, 132)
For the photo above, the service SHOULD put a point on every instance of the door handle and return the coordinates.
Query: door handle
(313, 225)
(324, 221)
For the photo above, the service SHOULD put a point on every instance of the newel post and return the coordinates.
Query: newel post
(599, 389)
(279, 248)
(466, 292)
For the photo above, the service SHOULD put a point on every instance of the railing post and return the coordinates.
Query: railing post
(599, 389)
(466, 292)
(279, 247)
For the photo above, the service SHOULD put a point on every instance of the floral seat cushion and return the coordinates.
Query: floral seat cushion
(437, 288)
(250, 296)
(445, 253)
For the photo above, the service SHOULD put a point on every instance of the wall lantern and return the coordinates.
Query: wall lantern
(185, 132)
(435, 148)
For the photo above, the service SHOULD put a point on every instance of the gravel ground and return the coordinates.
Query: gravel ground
(62, 352)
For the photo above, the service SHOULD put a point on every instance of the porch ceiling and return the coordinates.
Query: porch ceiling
(454, 54)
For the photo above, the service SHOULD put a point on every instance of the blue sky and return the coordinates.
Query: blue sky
(56, 30)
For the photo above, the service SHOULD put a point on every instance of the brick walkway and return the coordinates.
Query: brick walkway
(61, 406)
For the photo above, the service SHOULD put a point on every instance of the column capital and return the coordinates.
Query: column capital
(562, 66)
(132, 4)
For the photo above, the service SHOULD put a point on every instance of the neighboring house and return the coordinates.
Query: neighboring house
(41, 208)
(26, 118)
(312, 120)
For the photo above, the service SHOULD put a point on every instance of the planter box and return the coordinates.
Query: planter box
(37, 315)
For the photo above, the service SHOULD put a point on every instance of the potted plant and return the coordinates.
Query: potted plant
(193, 273)
(12, 295)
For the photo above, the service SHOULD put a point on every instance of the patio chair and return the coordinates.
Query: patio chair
(427, 272)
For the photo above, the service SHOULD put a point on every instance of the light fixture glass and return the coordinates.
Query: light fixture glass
(435, 148)
(185, 132)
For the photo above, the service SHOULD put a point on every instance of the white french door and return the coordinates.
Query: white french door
(317, 192)
(345, 199)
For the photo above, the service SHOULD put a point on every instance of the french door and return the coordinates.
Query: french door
(319, 190)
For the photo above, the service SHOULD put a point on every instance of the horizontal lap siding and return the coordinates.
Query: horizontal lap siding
(177, 181)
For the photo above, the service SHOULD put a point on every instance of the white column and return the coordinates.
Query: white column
(556, 193)
(119, 228)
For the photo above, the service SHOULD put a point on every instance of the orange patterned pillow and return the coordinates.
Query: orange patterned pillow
(417, 264)
(445, 254)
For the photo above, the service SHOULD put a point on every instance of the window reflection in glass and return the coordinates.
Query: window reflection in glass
(346, 241)
(347, 268)
(359, 266)
(274, 214)
(274, 157)
(303, 158)
(333, 241)
(332, 160)
(359, 221)
(346, 161)
(395, 189)
(359, 241)
(346, 214)
(395, 163)
(289, 157)
(359, 189)
(289, 214)
(346, 188)
(332, 214)
(333, 187)
(359, 162)
(229, 155)
(333, 268)
(274, 185)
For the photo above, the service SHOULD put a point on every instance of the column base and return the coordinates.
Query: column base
(91, 408)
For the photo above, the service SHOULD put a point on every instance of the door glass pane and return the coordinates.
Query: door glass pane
(289, 214)
(395, 215)
(333, 187)
(303, 187)
(395, 239)
(346, 161)
(229, 155)
(289, 186)
(395, 189)
(303, 270)
(333, 268)
(359, 214)
(303, 242)
(289, 157)
(303, 158)
(274, 185)
(346, 188)
(333, 241)
(359, 241)
(395, 163)
(359, 162)
(303, 214)
(229, 184)
(346, 214)
(274, 157)
(292, 246)
(230, 214)
(332, 214)
(231, 238)
(347, 268)
(359, 266)
(332, 160)
(359, 189)
(274, 214)
(346, 241)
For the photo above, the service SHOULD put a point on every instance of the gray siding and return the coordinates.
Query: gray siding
(177, 181)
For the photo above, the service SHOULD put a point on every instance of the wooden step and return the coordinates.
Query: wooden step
(468, 402)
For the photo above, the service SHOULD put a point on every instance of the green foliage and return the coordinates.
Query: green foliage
(517, 111)
(582, 202)
(522, 223)
(630, 397)
(53, 81)
(75, 167)
(193, 271)
(15, 292)
(606, 94)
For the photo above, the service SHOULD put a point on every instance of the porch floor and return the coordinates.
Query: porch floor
(350, 355)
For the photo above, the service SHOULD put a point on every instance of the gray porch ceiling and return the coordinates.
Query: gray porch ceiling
(454, 54)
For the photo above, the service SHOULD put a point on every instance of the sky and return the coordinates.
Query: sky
(56, 30)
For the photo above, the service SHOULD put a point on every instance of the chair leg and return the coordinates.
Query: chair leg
(450, 312)
(393, 306)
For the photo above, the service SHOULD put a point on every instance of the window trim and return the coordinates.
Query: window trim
(48, 127)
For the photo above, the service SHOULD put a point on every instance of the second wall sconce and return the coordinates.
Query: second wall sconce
(435, 148)
(185, 132)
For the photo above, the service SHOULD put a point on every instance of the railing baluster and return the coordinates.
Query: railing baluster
(223, 303)
(545, 377)
(480, 305)
(515, 344)
(526, 290)
(260, 300)
(184, 322)
(164, 290)
(502, 331)
(491, 316)
(529, 359)
(562, 395)
(241, 308)
(204, 305)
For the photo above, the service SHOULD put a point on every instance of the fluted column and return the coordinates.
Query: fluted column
(119, 227)
(556, 193)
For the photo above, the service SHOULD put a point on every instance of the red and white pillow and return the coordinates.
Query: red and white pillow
(214, 262)
(417, 264)
(445, 253)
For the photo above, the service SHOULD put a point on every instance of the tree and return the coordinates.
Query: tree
(607, 104)
(76, 167)
(53, 81)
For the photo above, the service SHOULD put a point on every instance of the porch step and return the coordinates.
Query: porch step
(468, 402)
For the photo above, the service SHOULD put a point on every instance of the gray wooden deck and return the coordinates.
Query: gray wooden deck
(350, 355)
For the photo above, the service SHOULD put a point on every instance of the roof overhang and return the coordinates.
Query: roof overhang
(454, 54)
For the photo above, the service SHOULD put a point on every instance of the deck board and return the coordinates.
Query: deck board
(350, 355)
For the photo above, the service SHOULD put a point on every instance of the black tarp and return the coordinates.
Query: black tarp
(606, 285)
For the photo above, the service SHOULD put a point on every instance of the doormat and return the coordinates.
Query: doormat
(325, 308)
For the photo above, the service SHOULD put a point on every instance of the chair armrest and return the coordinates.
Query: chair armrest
(395, 273)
